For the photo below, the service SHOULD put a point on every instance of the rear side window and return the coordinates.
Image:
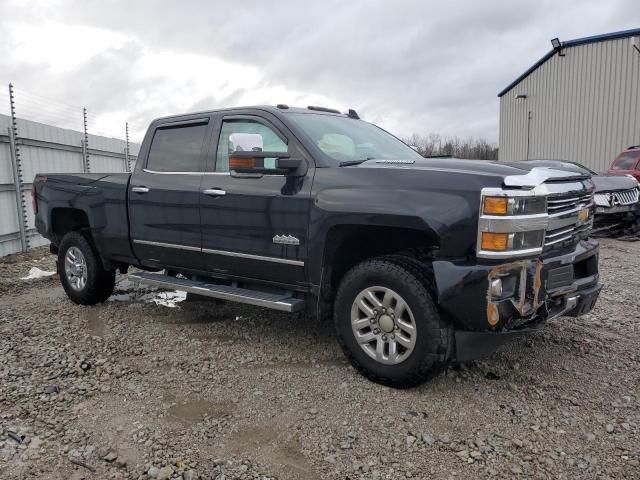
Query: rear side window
(177, 149)
(626, 161)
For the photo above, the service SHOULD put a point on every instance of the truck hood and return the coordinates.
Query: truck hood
(512, 174)
(610, 183)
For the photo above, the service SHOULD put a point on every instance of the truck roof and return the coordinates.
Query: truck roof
(275, 109)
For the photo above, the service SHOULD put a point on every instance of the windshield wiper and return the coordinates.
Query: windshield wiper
(348, 163)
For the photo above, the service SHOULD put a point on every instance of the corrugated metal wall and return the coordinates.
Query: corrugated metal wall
(583, 106)
(47, 149)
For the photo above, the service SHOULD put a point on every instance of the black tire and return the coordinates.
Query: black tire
(100, 282)
(434, 341)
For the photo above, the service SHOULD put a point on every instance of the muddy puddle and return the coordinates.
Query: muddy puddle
(193, 411)
(95, 324)
(268, 445)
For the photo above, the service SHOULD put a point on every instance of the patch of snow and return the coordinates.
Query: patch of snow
(122, 297)
(169, 299)
(164, 298)
(35, 272)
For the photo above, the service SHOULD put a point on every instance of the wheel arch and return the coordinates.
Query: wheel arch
(68, 219)
(65, 219)
(347, 245)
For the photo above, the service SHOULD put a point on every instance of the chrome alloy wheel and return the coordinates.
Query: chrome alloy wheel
(383, 325)
(75, 268)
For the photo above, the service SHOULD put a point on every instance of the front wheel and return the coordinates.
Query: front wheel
(388, 325)
(82, 275)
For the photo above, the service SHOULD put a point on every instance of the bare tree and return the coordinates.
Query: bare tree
(435, 145)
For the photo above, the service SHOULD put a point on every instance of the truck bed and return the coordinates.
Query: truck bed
(103, 199)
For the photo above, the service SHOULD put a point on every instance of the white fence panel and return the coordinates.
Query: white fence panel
(47, 149)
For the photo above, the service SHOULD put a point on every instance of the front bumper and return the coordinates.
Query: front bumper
(535, 290)
(618, 209)
(477, 345)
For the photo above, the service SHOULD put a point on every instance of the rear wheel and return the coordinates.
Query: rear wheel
(388, 325)
(82, 275)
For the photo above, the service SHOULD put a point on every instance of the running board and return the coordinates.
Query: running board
(276, 301)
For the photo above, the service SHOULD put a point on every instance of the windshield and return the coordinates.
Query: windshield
(346, 139)
(625, 161)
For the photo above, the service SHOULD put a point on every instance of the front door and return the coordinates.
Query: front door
(164, 196)
(254, 226)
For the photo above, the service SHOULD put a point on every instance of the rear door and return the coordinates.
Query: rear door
(164, 195)
(255, 226)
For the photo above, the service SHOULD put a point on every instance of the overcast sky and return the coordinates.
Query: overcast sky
(410, 66)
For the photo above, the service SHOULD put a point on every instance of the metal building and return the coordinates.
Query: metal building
(579, 102)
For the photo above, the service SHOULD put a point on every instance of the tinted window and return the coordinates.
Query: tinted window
(626, 161)
(177, 149)
(247, 135)
(344, 139)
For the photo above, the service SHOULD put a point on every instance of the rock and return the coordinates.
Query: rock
(165, 473)
(516, 469)
(591, 437)
(428, 439)
(464, 454)
(153, 472)
(110, 457)
(189, 475)
(410, 440)
(610, 428)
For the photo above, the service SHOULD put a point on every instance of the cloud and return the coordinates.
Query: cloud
(413, 66)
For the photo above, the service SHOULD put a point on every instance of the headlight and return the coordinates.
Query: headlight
(511, 223)
(514, 205)
(503, 242)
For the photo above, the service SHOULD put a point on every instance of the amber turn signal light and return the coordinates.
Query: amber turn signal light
(235, 162)
(495, 205)
(496, 242)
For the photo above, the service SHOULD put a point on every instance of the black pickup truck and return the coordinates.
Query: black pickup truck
(420, 262)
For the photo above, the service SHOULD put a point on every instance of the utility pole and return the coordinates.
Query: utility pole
(85, 143)
(127, 153)
(16, 166)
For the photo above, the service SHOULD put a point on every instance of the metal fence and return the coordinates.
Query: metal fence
(28, 147)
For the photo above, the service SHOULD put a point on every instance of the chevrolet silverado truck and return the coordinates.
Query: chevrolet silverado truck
(420, 262)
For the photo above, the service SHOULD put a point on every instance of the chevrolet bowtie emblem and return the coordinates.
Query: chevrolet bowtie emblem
(583, 215)
(286, 240)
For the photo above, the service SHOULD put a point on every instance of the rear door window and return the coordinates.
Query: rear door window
(626, 161)
(177, 148)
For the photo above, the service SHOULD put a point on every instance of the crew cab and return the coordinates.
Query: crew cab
(420, 262)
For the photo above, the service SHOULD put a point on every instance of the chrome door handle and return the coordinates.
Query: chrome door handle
(214, 192)
(140, 190)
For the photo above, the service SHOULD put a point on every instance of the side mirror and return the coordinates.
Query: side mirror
(254, 162)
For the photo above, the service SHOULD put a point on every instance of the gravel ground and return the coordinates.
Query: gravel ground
(135, 389)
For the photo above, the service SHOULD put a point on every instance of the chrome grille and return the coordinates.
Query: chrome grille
(602, 199)
(558, 205)
(573, 232)
(564, 222)
(625, 197)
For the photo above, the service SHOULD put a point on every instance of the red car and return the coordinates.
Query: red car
(628, 162)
